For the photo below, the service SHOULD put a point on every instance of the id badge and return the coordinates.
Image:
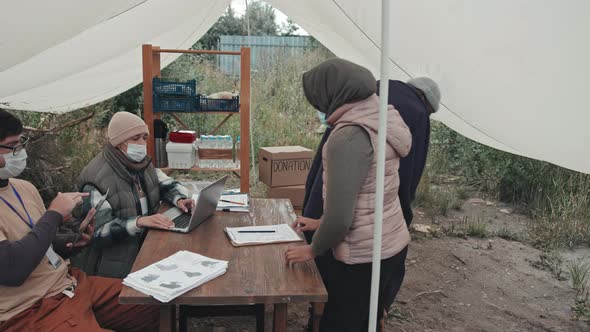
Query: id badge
(144, 206)
(53, 258)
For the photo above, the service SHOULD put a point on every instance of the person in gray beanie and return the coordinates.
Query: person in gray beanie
(415, 101)
(430, 93)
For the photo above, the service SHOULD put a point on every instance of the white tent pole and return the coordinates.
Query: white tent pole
(377, 230)
(252, 153)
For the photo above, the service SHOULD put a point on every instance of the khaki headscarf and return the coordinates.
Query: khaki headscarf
(336, 82)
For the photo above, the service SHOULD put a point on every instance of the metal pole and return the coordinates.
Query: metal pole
(378, 225)
(251, 110)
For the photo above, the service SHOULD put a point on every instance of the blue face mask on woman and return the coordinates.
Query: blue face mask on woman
(322, 118)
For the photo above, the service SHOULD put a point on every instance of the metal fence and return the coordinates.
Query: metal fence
(263, 50)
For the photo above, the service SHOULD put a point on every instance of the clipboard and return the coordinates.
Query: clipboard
(284, 234)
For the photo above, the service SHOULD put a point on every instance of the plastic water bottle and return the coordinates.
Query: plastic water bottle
(238, 151)
(202, 146)
(217, 144)
(228, 146)
(205, 143)
(196, 147)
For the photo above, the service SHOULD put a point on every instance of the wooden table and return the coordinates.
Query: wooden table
(256, 274)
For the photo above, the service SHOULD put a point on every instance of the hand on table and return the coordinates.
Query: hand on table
(299, 254)
(155, 221)
(302, 224)
(185, 204)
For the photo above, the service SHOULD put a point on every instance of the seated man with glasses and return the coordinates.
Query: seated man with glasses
(38, 290)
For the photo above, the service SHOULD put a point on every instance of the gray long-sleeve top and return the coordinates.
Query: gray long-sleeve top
(18, 259)
(349, 155)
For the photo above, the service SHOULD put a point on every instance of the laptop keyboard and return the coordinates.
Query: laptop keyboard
(182, 220)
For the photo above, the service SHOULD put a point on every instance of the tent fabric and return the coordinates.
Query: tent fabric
(512, 72)
(88, 63)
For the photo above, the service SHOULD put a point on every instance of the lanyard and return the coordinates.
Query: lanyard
(30, 223)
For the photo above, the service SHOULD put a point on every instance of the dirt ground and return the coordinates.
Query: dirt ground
(463, 284)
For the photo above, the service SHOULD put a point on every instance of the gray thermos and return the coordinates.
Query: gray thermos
(161, 135)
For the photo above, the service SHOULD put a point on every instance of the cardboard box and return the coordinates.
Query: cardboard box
(293, 193)
(283, 166)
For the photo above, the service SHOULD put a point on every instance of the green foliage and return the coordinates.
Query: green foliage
(580, 274)
(289, 28)
(475, 227)
(262, 23)
(558, 199)
(550, 261)
(280, 112)
(56, 159)
(507, 234)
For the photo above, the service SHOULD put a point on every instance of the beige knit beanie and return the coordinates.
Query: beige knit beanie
(123, 126)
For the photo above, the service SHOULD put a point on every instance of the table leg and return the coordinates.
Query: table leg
(259, 317)
(167, 318)
(318, 311)
(280, 317)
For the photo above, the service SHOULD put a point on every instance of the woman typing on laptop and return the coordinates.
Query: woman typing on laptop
(136, 188)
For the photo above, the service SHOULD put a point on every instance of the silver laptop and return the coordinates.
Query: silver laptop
(205, 207)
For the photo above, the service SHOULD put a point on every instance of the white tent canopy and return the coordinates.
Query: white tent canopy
(511, 71)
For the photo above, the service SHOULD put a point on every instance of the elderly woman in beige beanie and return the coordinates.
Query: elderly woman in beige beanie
(135, 190)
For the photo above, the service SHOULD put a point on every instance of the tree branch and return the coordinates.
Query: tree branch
(65, 125)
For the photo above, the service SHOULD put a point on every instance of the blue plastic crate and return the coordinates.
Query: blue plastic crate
(165, 103)
(168, 88)
(219, 105)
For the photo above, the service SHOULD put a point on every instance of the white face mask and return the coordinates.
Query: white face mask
(136, 152)
(14, 165)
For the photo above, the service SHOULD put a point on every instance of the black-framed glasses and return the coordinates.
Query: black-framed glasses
(18, 147)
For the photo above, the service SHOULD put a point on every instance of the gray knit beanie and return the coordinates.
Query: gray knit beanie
(123, 126)
(429, 88)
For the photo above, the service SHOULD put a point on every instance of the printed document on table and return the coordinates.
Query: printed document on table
(253, 235)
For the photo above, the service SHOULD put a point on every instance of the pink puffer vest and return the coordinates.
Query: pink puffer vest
(357, 246)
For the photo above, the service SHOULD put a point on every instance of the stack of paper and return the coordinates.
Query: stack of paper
(175, 275)
(234, 203)
(253, 235)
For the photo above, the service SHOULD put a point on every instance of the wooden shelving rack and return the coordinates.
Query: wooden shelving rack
(152, 68)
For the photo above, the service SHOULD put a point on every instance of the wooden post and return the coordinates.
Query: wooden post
(148, 105)
(245, 120)
(167, 318)
(156, 71)
(280, 317)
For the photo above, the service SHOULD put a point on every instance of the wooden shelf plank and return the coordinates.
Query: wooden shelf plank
(199, 169)
(197, 112)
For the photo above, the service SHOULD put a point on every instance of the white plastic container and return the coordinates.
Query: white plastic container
(181, 155)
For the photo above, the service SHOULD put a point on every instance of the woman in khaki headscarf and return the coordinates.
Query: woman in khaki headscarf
(345, 92)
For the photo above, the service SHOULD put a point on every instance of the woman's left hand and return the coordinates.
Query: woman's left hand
(185, 204)
(299, 254)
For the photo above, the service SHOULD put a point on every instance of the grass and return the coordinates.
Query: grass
(438, 200)
(469, 226)
(507, 234)
(551, 261)
(475, 227)
(551, 234)
(580, 274)
(581, 308)
(556, 198)
(580, 277)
